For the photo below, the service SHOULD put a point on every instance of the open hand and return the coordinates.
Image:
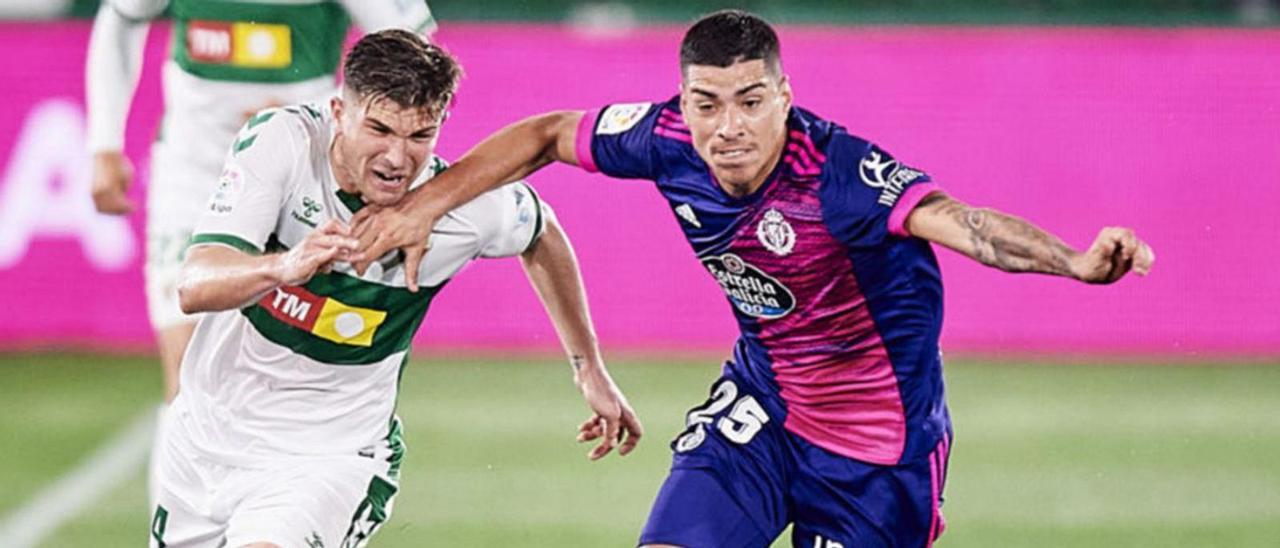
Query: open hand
(613, 421)
(1113, 254)
(380, 230)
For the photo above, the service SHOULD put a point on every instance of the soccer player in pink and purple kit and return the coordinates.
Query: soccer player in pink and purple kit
(831, 414)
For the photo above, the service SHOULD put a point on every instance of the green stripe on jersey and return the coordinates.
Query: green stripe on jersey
(372, 512)
(395, 440)
(227, 240)
(404, 313)
(211, 39)
(438, 165)
(260, 118)
(242, 144)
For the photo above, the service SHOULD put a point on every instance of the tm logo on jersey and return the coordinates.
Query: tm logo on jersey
(879, 170)
(324, 317)
(751, 291)
(241, 44)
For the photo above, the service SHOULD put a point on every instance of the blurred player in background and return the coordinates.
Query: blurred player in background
(229, 59)
(284, 432)
(831, 414)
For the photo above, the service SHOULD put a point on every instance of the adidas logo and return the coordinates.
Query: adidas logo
(685, 211)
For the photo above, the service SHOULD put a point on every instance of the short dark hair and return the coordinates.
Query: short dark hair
(403, 67)
(726, 37)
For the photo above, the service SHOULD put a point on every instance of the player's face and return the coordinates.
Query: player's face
(738, 118)
(381, 147)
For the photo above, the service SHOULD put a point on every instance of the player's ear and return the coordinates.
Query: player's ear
(784, 89)
(335, 104)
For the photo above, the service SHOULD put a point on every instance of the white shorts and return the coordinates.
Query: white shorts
(334, 502)
(177, 194)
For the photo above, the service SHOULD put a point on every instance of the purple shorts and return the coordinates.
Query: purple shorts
(738, 478)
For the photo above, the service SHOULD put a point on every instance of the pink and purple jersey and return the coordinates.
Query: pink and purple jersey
(839, 308)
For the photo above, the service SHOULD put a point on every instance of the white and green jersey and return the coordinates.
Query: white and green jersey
(314, 369)
(232, 57)
(276, 41)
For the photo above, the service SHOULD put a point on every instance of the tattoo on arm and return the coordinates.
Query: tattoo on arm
(1009, 243)
(577, 361)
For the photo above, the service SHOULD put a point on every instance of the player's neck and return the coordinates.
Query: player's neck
(740, 190)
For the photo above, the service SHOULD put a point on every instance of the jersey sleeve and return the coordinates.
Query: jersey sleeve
(260, 168)
(375, 15)
(618, 141)
(500, 223)
(111, 74)
(515, 220)
(867, 193)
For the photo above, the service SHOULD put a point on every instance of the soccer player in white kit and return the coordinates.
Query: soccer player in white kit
(228, 59)
(284, 432)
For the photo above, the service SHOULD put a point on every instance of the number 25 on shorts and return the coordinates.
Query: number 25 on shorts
(740, 425)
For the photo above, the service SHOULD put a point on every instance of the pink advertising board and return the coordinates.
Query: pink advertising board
(1175, 132)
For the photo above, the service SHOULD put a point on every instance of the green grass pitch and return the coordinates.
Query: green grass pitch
(1060, 455)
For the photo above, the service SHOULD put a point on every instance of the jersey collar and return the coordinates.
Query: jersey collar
(353, 202)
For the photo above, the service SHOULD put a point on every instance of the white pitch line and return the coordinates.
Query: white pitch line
(110, 465)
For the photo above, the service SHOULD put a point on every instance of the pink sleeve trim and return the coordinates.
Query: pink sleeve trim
(908, 202)
(582, 143)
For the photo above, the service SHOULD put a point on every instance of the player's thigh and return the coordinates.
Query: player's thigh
(185, 514)
(331, 502)
(843, 503)
(166, 249)
(695, 508)
(727, 485)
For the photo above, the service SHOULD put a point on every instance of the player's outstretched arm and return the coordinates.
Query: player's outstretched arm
(1015, 245)
(553, 270)
(111, 73)
(216, 277)
(510, 154)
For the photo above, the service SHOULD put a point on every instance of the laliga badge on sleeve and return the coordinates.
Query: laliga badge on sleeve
(620, 118)
(227, 193)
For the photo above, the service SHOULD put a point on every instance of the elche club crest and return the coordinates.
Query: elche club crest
(775, 233)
